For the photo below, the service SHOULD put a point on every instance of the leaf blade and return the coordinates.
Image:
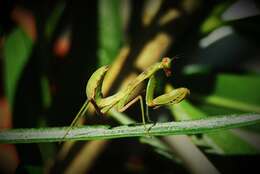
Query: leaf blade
(211, 124)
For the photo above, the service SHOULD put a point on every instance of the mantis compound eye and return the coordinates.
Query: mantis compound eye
(166, 61)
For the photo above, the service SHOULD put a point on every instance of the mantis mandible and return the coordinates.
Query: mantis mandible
(121, 100)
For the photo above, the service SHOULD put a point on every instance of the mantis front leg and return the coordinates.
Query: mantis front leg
(173, 97)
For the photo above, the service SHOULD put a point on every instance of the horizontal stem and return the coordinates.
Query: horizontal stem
(56, 134)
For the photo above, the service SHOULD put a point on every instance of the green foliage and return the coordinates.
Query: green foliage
(235, 92)
(110, 30)
(206, 125)
(224, 142)
(214, 20)
(230, 93)
(240, 88)
(33, 169)
(17, 49)
(46, 95)
(54, 19)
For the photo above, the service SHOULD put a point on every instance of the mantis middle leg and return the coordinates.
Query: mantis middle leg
(138, 98)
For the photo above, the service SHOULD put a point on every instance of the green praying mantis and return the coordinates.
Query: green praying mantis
(122, 100)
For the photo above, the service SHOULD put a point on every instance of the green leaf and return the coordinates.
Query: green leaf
(237, 92)
(156, 143)
(110, 30)
(17, 49)
(220, 142)
(54, 18)
(231, 92)
(207, 125)
(46, 93)
(185, 111)
(160, 147)
(238, 87)
(34, 169)
(226, 142)
(214, 20)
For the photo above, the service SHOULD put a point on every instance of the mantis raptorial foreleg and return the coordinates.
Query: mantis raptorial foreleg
(173, 97)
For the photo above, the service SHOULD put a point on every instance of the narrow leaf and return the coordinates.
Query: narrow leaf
(17, 49)
(224, 142)
(110, 30)
(206, 125)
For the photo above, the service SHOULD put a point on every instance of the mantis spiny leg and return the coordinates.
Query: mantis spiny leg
(173, 97)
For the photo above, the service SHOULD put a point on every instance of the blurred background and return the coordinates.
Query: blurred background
(49, 49)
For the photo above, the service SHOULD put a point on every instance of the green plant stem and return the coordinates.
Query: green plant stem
(207, 125)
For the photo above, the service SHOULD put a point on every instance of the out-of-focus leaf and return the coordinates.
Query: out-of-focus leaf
(237, 92)
(226, 142)
(215, 35)
(232, 91)
(216, 110)
(241, 9)
(34, 169)
(230, 46)
(222, 142)
(46, 95)
(185, 111)
(214, 19)
(155, 142)
(160, 147)
(17, 49)
(54, 18)
(110, 30)
(239, 87)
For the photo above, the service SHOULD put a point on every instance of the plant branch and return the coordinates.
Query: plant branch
(56, 134)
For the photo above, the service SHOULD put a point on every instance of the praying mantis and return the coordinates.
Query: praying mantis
(122, 99)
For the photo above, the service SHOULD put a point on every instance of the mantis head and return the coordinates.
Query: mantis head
(166, 65)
